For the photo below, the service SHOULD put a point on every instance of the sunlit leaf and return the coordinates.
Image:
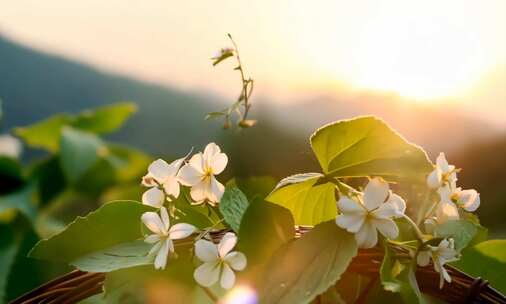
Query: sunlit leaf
(112, 224)
(309, 203)
(307, 267)
(367, 146)
(486, 260)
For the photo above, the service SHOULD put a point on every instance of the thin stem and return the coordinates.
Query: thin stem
(208, 229)
(419, 233)
(431, 210)
(245, 82)
(210, 294)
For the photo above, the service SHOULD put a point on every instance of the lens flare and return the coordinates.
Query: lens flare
(241, 294)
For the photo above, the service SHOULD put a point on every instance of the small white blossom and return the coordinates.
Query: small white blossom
(373, 210)
(219, 261)
(163, 234)
(200, 171)
(444, 253)
(442, 174)
(10, 146)
(162, 180)
(444, 179)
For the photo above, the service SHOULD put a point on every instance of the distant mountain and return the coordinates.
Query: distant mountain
(34, 85)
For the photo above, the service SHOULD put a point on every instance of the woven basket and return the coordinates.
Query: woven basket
(78, 285)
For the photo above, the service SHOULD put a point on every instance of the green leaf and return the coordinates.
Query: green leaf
(367, 146)
(79, 152)
(309, 203)
(117, 257)
(232, 206)
(486, 260)
(45, 134)
(112, 224)
(8, 250)
(21, 200)
(307, 267)
(224, 54)
(461, 231)
(397, 276)
(105, 119)
(259, 241)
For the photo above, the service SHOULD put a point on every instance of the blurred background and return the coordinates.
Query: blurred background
(436, 71)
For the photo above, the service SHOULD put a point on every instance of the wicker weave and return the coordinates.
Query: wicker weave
(78, 285)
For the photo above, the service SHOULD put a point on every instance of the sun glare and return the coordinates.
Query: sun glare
(426, 50)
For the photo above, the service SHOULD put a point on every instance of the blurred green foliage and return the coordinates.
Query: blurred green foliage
(78, 172)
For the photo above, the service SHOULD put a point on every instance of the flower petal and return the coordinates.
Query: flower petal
(197, 161)
(216, 190)
(227, 277)
(469, 199)
(375, 193)
(207, 274)
(191, 173)
(206, 251)
(211, 150)
(175, 166)
(161, 257)
(434, 179)
(165, 218)
(352, 222)
(153, 222)
(171, 186)
(201, 191)
(447, 212)
(236, 260)
(398, 202)
(152, 239)
(385, 211)
(159, 170)
(153, 197)
(367, 237)
(349, 205)
(442, 163)
(218, 163)
(180, 231)
(387, 227)
(227, 243)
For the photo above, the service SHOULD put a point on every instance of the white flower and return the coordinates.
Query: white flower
(373, 210)
(162, 180)
(442, 174)
(199, 173)
(163, 235)
(10, 146)
(444, 253)
(444, 179)
(468, 200)
(219, 261)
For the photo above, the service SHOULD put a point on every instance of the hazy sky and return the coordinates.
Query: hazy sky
(425, 50)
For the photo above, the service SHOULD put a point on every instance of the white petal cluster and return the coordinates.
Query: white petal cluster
(163, 179)
(163, 235)
(444, 179)
(219, 261)
(371, 211)
(443, 253)
(199, 173)
(162, 182)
